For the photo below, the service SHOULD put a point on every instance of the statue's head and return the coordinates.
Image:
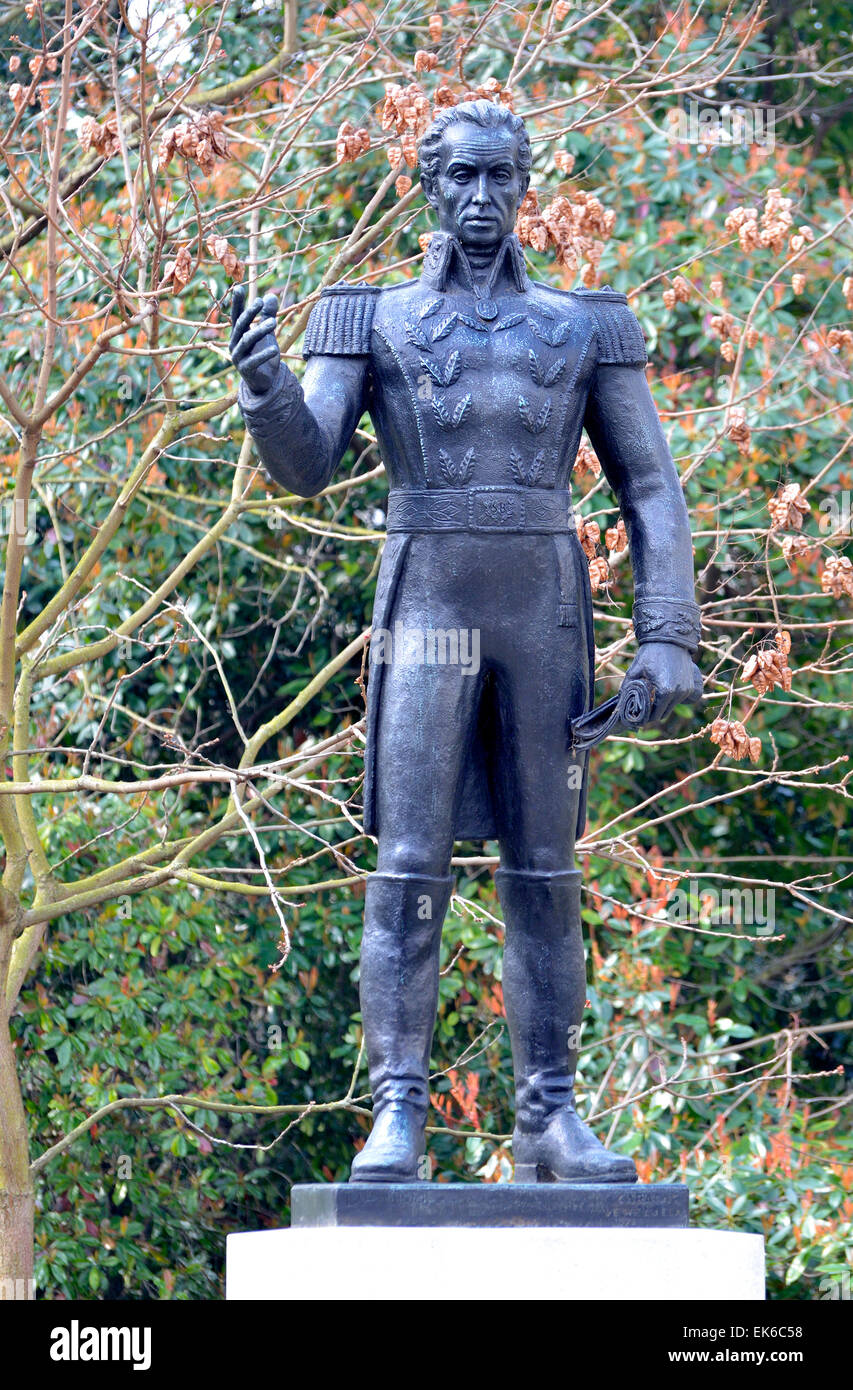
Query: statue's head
(475, 167)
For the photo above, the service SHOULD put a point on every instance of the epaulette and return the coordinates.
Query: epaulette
(620, 336)
(341, 321)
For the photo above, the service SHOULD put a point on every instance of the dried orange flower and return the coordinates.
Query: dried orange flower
(776, 220)
(576, 227)
(179, 270)
(409, 146)
(425, 61)
(350, 143)
(738, 430)
(491, 90)
(797, 548)
(200, 138)
(406, 108)
(598, 573)
(723, 325)
(837, 577)
(769, 667)
(798, 282)
(402, 185)
(444, 97)
(103, 138)
(616, 538)
(221, 251)
(565, 161)
(734, 741)
(840, 338)
(716, 286)
(587, 461)
(436, 24)
(788, 508)
(589, 534)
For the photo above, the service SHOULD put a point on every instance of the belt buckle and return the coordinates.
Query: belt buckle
(495, 510)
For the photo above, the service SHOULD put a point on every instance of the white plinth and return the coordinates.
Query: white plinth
(365, 1263)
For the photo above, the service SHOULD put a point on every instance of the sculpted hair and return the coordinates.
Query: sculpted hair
(482, 113)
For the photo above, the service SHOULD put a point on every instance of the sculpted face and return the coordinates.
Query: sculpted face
(478, 187)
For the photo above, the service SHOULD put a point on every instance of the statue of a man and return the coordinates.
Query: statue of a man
(478, 382)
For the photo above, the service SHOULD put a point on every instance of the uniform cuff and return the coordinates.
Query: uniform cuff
(677, 621)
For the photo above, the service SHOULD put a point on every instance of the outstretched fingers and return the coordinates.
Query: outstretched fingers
(247, 340)
(241, 317)
(251, 364)
(238, 303)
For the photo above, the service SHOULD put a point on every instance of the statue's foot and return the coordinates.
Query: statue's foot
(567, 1151)
(394, 1147)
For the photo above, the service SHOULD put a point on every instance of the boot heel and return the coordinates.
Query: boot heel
(533, 1172)
(525, 1172)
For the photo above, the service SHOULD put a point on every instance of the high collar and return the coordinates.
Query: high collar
(446, 265)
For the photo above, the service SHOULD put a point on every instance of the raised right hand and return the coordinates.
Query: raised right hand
(254, 350)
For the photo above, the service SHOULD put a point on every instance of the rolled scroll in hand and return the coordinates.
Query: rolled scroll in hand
(630, 709)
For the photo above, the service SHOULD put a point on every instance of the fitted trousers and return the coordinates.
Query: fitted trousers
(499, 598)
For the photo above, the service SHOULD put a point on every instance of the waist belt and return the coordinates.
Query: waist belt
(480, 509)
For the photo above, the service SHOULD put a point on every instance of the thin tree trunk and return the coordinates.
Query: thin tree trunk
(16, 1187)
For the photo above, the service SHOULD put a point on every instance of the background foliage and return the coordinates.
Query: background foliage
(715, 1049)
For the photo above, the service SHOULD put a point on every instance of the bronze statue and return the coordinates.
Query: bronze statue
(478, 382)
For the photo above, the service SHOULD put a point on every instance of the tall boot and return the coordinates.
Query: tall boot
(544, 983)
(403, 915)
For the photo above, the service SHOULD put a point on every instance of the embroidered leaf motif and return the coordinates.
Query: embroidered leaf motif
(429, 309)
(526, 477)
(444, 375)
(543, 417)
(452, 368)
(554, 372)
(461, 411)
(457, 474)
(536, 369)
(471, 322)
(454, 420)
(525, 412)
(537, 423)
(509, 322)
(417, 337)
(535, 471)
(440, 412)
(443, 327)
(554, 337)
(433, 369)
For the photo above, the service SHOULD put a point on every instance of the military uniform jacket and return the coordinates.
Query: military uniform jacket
(482, 392)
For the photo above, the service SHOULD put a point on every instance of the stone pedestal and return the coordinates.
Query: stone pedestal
(488, 1204)
(427, 1241)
